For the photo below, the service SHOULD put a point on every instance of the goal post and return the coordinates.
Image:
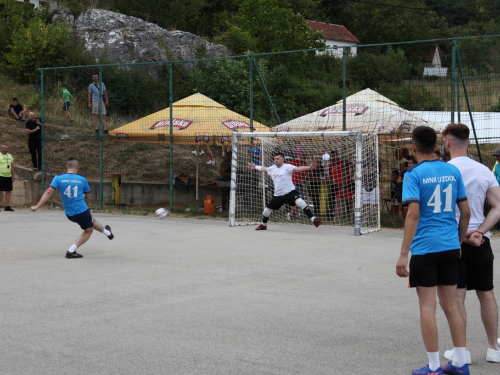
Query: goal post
(343, 191)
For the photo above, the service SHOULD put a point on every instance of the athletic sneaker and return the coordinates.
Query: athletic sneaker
(454, 370)
(111, 236)
(105, 131)
(8, 208)
(97, 131)
(427, 371)
(450, 353)
(261, 227)
(317, 221)
(73, 255)
(212, 162)
(194, 153)
(493, 355)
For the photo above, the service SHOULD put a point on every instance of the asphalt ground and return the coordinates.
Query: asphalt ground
(187, 296)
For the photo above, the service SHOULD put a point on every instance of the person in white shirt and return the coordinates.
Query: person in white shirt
(284, 189)
(476, 269)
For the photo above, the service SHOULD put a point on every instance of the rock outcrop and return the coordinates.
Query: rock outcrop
(125, 39)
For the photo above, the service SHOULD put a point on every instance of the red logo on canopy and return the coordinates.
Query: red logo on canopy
(235, 124)
(355, 108)
(176, 122)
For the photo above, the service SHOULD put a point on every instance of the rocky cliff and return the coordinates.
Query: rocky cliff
(125, 39)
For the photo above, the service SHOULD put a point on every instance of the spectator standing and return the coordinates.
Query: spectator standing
(476, 271)
(7, 175)
(95, 101)
(33, 129)
(17, 110)
(66, 100)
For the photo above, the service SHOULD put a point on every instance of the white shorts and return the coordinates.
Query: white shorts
(95, 108)
(370, 197)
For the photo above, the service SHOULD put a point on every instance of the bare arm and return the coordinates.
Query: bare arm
(89, 98)
(106, 97)
(493, 196)
(313, 165)
(45, 197)
(252, 167)
(463, 224)
(411, 223)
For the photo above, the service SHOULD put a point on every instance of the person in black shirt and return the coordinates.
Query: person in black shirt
(33, 129)
(17, 110)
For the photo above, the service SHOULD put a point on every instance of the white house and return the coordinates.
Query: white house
(36, 3)
(336, 36)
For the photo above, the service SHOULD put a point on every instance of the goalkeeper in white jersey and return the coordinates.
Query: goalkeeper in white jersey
(284, 189)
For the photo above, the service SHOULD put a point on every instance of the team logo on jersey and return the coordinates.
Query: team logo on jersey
(176, 123)
(235, 124)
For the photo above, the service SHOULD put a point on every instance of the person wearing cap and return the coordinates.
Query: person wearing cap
(496, 167)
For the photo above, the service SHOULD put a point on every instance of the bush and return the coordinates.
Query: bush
(36, 46)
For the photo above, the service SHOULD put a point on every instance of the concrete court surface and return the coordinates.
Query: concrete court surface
(187, 296)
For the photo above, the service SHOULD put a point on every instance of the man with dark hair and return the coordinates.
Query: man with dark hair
(17, 110)
(284, 190)
(476, 263)
(74, 189)
(432, 189)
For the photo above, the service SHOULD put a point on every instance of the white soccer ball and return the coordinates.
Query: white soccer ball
(161, 213)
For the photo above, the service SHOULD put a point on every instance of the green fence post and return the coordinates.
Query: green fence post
(250, 71)
(171, 157)
(42, 115)
(101, 179)
(453, 79)
(468, 106)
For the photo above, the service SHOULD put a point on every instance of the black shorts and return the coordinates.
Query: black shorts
(435, 269)
(289, 198)
(66, 106)
(5, 183)
(476, 267)
(84, 219)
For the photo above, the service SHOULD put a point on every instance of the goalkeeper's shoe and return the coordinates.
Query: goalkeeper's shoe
(454, 370)
(317, 221)
(261, 227)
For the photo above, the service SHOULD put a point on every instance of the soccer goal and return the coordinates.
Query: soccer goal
(343, 190)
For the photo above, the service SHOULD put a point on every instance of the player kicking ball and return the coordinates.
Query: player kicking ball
(74, 189)
(284, 189)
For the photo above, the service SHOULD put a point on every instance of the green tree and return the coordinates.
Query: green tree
(273, 26)
(395, 21)
(39, 45)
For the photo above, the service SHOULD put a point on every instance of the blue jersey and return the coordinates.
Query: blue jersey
(437, 187)
(72, 188)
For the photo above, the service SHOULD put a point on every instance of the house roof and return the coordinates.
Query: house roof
(333, 32)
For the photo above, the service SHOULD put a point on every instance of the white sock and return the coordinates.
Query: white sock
(314, 217)
(106, 232)
(434, 363)
(73, 248)
(458, 357)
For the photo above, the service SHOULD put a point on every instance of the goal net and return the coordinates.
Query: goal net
(343, 190)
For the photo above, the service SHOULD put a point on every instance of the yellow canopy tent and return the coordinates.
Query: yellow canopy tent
(194, 119)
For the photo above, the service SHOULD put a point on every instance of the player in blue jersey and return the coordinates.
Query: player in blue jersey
(74, 189)
(431, 190)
